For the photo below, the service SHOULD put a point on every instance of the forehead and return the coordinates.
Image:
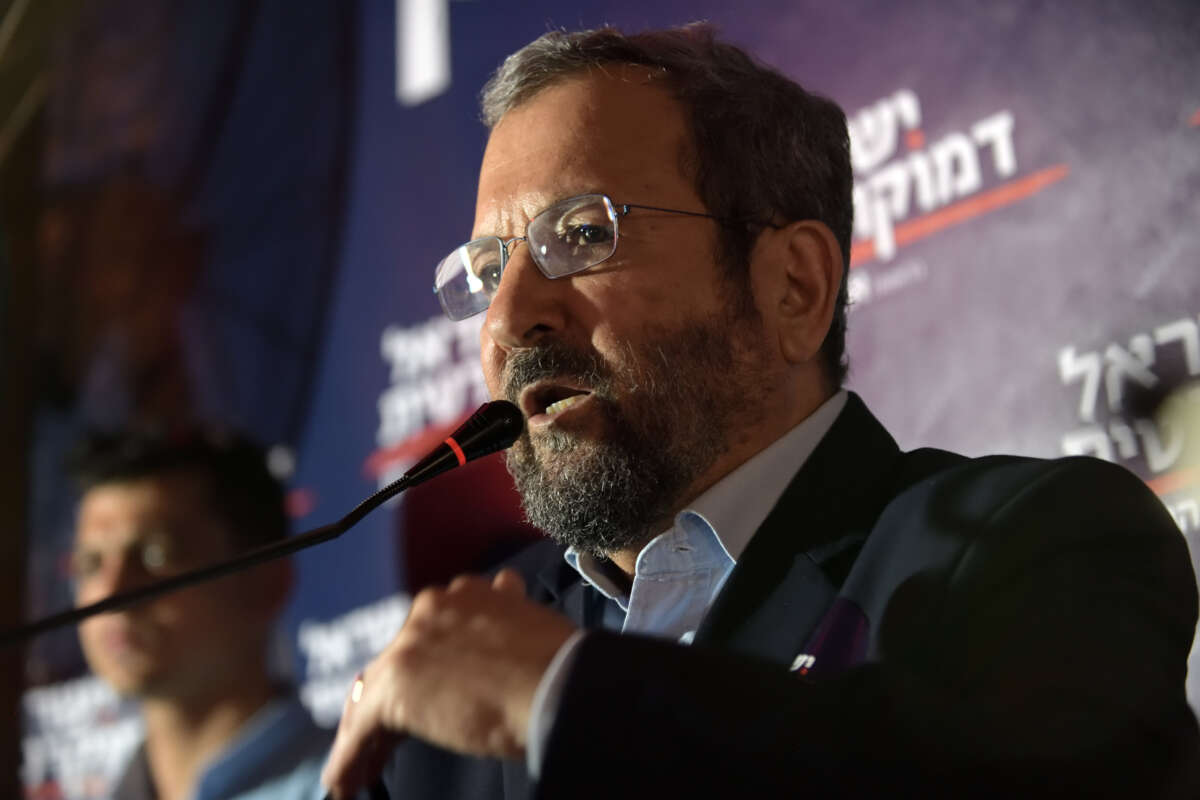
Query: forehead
(167, 503)
(615, 130)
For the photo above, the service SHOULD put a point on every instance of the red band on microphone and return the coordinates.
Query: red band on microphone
(458, 453)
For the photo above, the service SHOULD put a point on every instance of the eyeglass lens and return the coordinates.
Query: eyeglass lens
(566, 238)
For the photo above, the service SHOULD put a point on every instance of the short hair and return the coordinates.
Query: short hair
(242, 491)
(764, 148)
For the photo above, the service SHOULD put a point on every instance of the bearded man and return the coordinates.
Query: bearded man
(761, 594)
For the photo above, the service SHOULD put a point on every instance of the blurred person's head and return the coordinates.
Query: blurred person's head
(155, 505)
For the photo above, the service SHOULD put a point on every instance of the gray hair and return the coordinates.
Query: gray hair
(763, 148)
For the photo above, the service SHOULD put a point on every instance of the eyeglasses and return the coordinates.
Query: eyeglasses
(568, 237)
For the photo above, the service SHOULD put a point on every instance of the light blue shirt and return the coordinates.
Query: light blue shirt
(277, 755)
(679, 573)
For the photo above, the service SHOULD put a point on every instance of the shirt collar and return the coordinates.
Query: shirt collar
(736, 505)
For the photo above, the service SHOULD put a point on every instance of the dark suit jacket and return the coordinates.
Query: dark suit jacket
(959, 627)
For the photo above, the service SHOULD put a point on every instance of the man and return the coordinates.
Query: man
(217, 723)
(661, 243)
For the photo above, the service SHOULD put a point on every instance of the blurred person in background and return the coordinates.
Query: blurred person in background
(218, 722)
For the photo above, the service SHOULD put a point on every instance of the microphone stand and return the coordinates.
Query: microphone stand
(495, 426)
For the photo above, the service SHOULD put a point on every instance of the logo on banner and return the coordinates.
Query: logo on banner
(337, 649)
(434, 381)
(907, 188)
(1114, 425)
(76, 736)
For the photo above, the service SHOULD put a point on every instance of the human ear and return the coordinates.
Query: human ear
(808, 265)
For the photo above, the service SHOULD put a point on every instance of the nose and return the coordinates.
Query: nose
(527, 305)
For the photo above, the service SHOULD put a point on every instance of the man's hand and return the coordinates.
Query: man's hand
(461, 674)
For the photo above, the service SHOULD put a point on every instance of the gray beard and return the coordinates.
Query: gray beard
(670, 410)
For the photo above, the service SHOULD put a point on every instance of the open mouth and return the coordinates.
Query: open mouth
(550, 400)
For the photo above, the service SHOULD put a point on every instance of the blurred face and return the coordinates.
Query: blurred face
(184, 643)
(638, 377)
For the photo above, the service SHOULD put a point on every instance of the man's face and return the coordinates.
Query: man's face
(132, 533)
(660, 374)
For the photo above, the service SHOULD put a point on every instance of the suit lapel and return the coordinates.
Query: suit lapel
(790, 572)
(561, 587)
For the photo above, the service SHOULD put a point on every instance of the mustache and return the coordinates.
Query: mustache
(555, 360)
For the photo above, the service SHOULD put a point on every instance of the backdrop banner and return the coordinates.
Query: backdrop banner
(1024, 280)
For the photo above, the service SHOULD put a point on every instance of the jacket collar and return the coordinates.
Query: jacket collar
(792, 568)
(790, 571)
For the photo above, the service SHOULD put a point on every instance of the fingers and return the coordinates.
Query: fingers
(439, 678)
(361, 747)
(509, 581)
(506, 580)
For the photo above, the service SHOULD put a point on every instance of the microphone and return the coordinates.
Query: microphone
(494, 426)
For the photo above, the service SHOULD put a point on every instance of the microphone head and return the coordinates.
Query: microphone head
(495, 426)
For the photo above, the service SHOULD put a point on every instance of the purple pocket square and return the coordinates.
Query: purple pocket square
(839, 642)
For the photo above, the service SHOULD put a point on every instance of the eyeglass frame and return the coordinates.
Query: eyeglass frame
(619, 210)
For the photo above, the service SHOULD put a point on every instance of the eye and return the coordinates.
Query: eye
(587, 235)
(154, 556)
(489, 276)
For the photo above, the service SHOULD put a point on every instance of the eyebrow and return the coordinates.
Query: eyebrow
(557, 199)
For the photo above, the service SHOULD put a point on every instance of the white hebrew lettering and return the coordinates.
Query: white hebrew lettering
(864, 211)
(957, 166)
(872, 136)
(466, 337)
(1186, 514)
(400, 414)
(446, 394)
(858, 287)
(437, 398)
(412, 351)
(874, 130)
(923, 180)
(908, 109)
(1159, 457)
(1184, 331)
(391, 347)
(1120, 433)
(354, 637)
(326, 648)
(1132, 364)
(996, 131)
(1087, 441)
(889, 186)
(1072, 367)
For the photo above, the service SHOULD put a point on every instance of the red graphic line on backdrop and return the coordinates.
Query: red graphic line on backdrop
(1195, 120)
(1174, 481)
(411, 448)
(1004, 195)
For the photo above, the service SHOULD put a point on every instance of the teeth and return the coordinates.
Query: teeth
(564, 404)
